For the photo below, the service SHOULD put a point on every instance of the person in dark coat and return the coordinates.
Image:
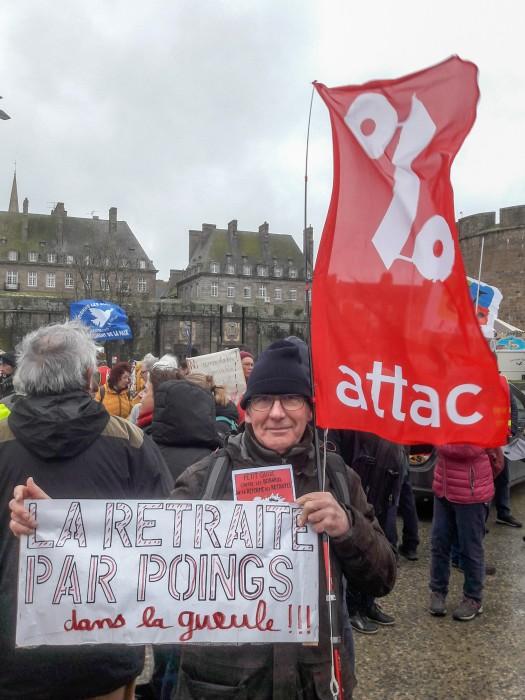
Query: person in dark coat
(73, 448)
(277, 403)
(183, 424)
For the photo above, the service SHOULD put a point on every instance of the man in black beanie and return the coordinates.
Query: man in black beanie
(278, 411)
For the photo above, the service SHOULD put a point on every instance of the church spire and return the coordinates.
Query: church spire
(13, 202)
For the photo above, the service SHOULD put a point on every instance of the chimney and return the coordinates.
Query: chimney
(264, 230)
(25, 220)
(112, 223)
(208, 228)
(232, 228)
(59, 212)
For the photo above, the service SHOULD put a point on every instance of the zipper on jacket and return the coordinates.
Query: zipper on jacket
(471, 479)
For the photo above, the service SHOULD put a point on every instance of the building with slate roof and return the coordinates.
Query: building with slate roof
(72, 257)
(230, 266)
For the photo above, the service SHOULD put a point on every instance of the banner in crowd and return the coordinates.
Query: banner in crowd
(486, 300)
(132, 572)
(397, 349)
(226, 369)
(107, 321)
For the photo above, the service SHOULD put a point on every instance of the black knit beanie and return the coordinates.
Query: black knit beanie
(278, 371)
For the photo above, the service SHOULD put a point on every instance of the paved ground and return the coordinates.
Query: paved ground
(427, 658)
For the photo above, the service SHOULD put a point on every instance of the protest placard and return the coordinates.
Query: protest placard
(132, 572)
(264, 483)
(226, 369)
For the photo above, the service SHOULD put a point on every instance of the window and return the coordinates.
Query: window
(229, 308)
(123, 285)
(11, 279)
(278, 271)
(142, 264)
(292, 272)
(262, 292)
(87, 260)
(292, 294)
(247, 292)
(215, 268)
(3, 241)
(105, 262)
(51, 280)
(261, 271)
(230, 292)
(69, 282)
(69, 260)
(51, 258)
(142, 285)
(12, 255)
(32, 279)
(278, 295)
(247, 270)
(88, 281)
(104, 283)
(230, 269)
(32, 256)
(214, 291)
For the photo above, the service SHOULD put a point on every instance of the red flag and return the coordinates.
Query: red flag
(397, 349)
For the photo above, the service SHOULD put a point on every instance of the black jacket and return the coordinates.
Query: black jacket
(183, 424)
(73, 449)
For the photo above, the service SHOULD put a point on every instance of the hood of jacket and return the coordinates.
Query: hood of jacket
(184, 415)
(57, 426)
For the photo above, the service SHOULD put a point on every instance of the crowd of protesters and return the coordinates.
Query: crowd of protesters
(72, 427)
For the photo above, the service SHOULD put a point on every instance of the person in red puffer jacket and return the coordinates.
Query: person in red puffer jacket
(463, 488)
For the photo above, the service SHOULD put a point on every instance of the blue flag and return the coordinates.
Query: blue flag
(107, 321)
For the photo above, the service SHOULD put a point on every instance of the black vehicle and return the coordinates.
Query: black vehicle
(423, 458)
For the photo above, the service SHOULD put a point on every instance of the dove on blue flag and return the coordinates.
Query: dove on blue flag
(107, 321)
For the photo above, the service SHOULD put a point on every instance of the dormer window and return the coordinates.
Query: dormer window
(51, 258)
(277, 271)
(230, 268)
(142, 264)
(215, 268)
(262, 271)
(69, 260)
(12, 255)
(32, 256)
(247, 269)
(292, 273)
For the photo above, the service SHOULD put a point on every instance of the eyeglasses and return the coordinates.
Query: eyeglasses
(290, 402)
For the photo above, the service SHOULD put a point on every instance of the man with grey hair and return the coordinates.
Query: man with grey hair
(74, 449)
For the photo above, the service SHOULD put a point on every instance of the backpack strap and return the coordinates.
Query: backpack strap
(102, 393)
(338, 477)
(229, 422)
(218, 473)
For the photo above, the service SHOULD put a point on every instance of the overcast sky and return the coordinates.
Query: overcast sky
(180, 112)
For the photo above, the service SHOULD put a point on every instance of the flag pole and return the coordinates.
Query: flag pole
(336, 685)
(479, 273)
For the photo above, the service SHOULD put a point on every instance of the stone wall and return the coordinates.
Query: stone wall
(162, 326)
(503, 256)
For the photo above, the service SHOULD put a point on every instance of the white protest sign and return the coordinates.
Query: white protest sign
(133, 572)
(225, 367)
